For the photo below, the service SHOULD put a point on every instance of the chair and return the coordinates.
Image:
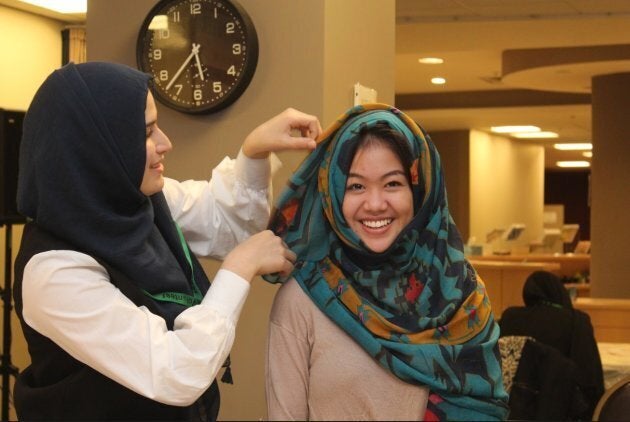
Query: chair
(615, 403)
(541, 381)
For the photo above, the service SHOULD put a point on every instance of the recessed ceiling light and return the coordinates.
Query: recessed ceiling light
(588, 154)
(430, 60)
(574, 147)
(571, 164)
(513, 129)
(61, 6)
(535, 135)
(438, 81)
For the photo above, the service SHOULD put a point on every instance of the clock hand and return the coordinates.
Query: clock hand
(195, 50)
(198, 62)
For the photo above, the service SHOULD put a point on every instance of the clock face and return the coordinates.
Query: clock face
(202, 53)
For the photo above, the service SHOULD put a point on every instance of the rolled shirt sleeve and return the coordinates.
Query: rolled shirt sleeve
(217, 215)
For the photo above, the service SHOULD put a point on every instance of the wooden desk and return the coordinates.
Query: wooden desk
(504, 280)
(582, 289)
(569, 264)
(610, 318)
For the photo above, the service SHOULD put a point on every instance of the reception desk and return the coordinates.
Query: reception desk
(504, 280)
(610, 318)
(569, 265)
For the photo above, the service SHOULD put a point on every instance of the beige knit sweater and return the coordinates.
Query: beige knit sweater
(317, 372)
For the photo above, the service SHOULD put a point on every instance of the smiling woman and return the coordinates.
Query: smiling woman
(383, 317)
(378, 202)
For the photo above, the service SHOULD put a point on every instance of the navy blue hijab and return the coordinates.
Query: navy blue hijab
(82, 160)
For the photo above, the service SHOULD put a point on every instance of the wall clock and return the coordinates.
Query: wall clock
(202, 53)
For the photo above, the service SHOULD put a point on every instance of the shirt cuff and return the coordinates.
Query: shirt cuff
(253, 172)
(227, 294)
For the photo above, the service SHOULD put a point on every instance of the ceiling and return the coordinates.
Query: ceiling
(72, 18)
(505, 62)
(509, 62)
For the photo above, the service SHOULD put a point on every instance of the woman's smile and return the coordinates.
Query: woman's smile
(377, 224)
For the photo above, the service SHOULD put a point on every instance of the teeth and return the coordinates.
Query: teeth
(376, 224)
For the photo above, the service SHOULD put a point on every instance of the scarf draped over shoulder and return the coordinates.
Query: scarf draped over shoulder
(418, 308)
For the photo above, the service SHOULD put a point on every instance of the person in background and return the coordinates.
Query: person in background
(549, 317)
(383, 318)
(120, 319)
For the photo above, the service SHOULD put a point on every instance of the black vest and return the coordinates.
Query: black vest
(58, 387)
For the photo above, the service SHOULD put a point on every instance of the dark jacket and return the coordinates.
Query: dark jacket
(549, 317)
(546, 386)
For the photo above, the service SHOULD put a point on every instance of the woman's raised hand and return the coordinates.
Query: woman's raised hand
(279, 133)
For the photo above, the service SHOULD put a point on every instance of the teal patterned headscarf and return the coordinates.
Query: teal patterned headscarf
(418, 308)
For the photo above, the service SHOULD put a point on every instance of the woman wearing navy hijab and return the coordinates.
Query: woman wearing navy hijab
(121, 321)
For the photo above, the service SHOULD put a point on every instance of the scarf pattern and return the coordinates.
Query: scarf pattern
(418, 308)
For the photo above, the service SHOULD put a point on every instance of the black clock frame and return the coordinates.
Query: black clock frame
(242, 81)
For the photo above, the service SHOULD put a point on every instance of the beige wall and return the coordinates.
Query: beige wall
(506, 186)
(454, 149)
(31, 49)
(610, 231)
(492, 182)
(359, 47)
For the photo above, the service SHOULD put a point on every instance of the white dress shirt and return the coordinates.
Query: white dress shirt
(69, 298)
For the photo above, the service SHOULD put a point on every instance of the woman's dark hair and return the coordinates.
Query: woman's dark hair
(382, 134)
(543, 287)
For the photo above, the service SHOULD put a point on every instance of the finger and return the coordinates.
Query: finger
(307, 124)
(290, 255)
(298, 142)
(312, 131)
(287, 268)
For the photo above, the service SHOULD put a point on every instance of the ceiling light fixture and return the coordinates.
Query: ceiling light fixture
(61, 6)
(573, 164)
(588, 154)
(513, 129)
(535, 135)
(430, 60)
(438, 81)
(574, 147)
